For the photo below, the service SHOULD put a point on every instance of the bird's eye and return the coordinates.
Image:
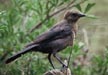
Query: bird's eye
(74, 14)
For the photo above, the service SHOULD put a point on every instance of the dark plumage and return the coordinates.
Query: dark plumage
(56, 39)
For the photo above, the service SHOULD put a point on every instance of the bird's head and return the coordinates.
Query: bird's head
(73, 16)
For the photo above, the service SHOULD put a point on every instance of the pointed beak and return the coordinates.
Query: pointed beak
(82, 15)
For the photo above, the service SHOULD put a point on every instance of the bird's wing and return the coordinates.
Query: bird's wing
(54, 33)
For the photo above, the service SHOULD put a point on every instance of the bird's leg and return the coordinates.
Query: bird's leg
(58, 58)
(49, 58)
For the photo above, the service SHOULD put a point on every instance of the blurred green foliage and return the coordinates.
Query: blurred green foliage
(17, 17)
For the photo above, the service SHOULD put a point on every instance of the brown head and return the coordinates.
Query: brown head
(73, 16)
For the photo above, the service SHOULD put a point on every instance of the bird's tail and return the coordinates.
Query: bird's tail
(28, 49)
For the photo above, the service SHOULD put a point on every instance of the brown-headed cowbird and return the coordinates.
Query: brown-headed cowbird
(54, 40)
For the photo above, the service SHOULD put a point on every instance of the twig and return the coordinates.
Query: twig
(69, 59)
(55, 13)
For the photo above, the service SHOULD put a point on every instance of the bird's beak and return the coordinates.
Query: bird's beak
(82, 15)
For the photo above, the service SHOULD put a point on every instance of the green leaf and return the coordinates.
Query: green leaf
(65, 0)
(91, 16)
(56, 1)
(78, 7)
(52, 3)
(40, 6)
(88, 7)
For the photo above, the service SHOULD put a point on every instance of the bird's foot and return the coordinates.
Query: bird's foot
(64, 67)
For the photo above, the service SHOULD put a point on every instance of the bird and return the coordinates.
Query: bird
(56, 39)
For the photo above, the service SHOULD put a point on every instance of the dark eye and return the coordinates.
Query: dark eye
(74, 14)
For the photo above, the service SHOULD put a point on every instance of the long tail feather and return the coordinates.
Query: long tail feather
(28, 49)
